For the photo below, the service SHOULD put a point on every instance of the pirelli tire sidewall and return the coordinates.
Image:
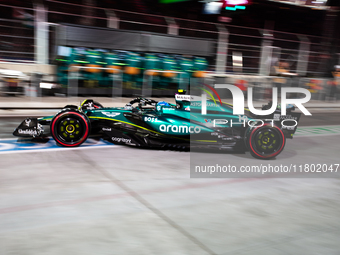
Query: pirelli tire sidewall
(265, 142)
(70, 127)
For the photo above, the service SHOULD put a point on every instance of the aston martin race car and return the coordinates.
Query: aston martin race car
(158, 124)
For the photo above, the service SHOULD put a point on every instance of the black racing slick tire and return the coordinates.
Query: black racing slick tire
(266, 142)
(70, 127)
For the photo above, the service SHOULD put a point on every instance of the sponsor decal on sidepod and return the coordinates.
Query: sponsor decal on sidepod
(179, 129)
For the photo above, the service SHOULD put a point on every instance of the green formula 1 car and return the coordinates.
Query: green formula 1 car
(149, 123)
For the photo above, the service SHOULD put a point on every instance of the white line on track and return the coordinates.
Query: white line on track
(58, 149)
(11, 145)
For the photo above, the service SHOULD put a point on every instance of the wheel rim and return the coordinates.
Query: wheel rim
(267, 142)
(70, 129)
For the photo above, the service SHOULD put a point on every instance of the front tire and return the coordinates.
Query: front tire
(266, 142)
(70, 128)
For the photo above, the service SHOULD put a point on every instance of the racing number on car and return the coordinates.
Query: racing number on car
(242, 118)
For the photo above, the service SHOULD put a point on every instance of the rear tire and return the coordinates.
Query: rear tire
(266, 142)
(70, 128)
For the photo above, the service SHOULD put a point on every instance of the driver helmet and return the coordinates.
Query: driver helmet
(163, 103)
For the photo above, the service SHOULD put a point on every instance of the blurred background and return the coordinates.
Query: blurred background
(103, 198)
(106, 47)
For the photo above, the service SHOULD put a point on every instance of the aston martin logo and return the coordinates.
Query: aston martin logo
(111, 114)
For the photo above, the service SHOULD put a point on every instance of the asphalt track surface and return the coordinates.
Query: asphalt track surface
(109, 199)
